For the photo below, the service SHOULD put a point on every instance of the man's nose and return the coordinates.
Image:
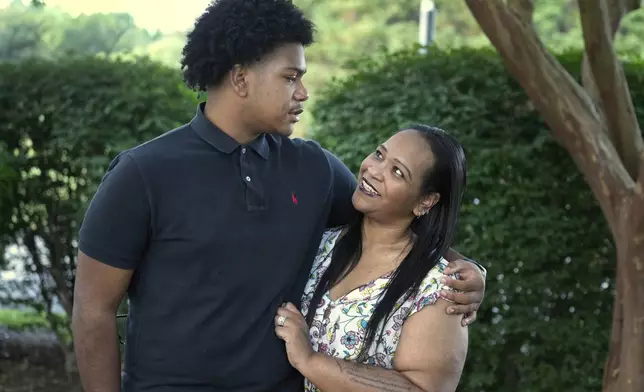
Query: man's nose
(301, 94)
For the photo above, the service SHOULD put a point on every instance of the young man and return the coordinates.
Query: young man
(211, 226)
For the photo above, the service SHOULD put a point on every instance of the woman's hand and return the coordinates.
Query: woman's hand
(291, 327)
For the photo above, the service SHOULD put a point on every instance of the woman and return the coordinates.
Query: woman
(374, 317)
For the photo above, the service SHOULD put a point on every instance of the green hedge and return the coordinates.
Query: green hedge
(528, 215)
(61, 122)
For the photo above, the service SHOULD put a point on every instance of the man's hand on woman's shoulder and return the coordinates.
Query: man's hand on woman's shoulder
(469, 286)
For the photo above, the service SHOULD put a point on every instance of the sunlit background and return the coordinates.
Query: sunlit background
(165, 16)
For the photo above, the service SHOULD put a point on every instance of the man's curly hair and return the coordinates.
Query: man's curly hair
(234, 32)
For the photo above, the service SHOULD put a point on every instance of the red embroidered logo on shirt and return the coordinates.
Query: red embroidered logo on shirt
(294, 198)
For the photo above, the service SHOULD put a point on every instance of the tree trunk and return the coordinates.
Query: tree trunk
(624, 371)
(71, 366)
(597, 125)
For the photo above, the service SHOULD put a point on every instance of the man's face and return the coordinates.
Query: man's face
(276, 93)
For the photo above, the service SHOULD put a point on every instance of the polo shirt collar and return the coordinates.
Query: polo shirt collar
(217, 138)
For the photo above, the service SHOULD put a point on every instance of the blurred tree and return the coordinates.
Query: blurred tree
(37, 31)
(98, 33)
(21, 32)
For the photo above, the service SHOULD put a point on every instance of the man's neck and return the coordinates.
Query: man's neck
(225, 114)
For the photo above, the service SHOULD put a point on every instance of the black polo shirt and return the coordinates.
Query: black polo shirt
(219, 235)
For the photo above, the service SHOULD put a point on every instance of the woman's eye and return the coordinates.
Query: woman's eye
(378, 155)
(398, 172)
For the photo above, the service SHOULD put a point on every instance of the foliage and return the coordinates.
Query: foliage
(61, 123)
(19, 320)
(528, 215)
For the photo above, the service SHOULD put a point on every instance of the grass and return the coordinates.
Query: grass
(20, 320)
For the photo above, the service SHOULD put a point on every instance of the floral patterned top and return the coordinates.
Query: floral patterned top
(339, 326)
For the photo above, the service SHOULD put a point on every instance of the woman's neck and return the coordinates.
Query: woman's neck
(382, 236)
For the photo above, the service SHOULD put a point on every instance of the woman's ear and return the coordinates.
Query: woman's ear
(426, 204)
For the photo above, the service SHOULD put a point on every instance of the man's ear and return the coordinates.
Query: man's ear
(239, 80)
(426, 204)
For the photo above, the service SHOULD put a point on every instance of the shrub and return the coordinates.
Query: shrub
(61, 123)
(528, 215)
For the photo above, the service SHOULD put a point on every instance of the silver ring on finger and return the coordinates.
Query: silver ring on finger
(281, 320)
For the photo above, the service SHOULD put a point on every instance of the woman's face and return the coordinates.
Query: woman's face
(390, 179)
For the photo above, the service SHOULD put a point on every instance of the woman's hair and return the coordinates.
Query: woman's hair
(234, 32)
(434, 233)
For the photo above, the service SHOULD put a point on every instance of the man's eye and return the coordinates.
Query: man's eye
(378, 154)
(291, 79)
(398, 172)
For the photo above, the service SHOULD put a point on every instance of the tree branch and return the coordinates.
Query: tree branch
(608, 85)
(565, 106)
(523, 8)
(56, 268)
(640, 180)
(45, 292)
(617, 9)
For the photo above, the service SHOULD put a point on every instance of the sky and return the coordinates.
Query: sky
(166, 15)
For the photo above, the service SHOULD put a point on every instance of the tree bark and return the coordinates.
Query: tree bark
(626, 352)
(598, 127)
(624, 371)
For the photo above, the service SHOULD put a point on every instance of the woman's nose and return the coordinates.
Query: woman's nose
(376, 171)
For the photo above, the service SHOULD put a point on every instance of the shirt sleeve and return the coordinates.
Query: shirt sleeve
(344, 184)
(430, 288)
(117, 222)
